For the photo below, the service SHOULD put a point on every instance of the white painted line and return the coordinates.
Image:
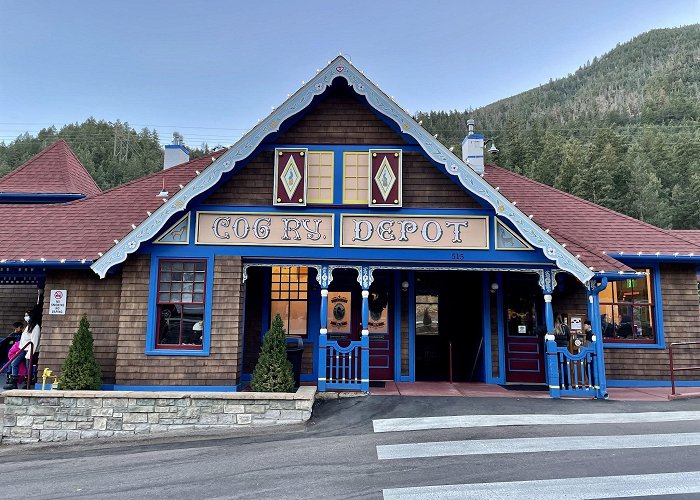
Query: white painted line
(459, 421)
(534, 445)
(677, 483)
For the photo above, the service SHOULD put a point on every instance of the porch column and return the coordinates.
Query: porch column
(324, 278)
(547, 282)
(365, 280)
(593, 289)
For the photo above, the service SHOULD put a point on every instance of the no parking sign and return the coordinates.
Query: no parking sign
(57, 305)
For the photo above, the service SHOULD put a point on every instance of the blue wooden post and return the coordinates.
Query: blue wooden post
(547, 282)
(593, 291)
(324, 278)
(552, 367)
(364, 346)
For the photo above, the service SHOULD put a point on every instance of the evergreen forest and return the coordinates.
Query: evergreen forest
(622, 131)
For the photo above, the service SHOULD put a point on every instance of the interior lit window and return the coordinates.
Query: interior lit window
(627, 310)
(319, 177)
(288, 294)
(356, 178)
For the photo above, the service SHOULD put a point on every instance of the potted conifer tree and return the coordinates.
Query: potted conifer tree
(273, 372)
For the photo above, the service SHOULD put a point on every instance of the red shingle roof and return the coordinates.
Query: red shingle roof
(587, 229)
(691, 235)
(82, 228)
(54, 170)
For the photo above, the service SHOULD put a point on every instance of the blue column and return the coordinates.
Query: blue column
(324, 278)
(593, 290)
(547, 282)
(364, 346)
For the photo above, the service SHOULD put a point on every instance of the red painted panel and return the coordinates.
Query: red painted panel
(393, 159)
(524, 360)
(299, 195)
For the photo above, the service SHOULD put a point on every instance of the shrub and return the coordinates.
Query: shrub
(273, 372)
(80, 370)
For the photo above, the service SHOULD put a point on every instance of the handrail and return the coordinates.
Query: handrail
(27, 360)
(674, 369)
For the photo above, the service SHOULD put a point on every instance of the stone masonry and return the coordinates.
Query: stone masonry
(32, 416)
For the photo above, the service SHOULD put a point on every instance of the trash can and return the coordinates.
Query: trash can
(295, 350)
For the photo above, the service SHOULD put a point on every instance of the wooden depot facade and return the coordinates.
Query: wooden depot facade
(390, 258)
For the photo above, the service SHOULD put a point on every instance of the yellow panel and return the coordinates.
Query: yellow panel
(323, 167)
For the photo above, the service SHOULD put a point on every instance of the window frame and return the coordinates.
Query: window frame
(318, 201)
(656, 314)
(347, 201)
(289, 300)
(152, 325)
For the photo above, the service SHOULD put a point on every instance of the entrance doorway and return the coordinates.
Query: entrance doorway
(448, 326)
(524, 340)
(345, 318)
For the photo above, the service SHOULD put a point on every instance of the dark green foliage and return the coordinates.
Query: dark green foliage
(273, 372)
(623, 131)
(113, 153)
(80, 370)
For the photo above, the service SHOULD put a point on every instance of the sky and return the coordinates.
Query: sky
(211, 69)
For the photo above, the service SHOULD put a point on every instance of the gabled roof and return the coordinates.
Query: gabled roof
(596, 234)
(342, 68)
(81, 229)
(55, 170)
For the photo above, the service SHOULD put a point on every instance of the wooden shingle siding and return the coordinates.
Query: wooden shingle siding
(340, 118)
(86, 293)
(424, 186)
(681, 323)
(14, 301)
(251, 186)
(221, 367)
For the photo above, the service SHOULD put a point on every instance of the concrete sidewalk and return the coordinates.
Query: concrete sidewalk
(463, 389)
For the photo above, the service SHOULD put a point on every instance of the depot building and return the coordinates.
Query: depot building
(388, 256)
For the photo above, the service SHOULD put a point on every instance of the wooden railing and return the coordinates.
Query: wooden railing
(345, 367)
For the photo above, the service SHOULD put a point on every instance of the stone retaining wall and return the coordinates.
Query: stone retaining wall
(32, 416)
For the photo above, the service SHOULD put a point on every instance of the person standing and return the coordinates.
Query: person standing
(31, 333)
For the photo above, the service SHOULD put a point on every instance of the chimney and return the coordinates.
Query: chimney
(175, 153)
(473, 149)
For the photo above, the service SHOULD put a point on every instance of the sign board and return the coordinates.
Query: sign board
(522, 329)
(415, 231)
(264, 229)
(339, 308)
(575, 323)
(57, 304)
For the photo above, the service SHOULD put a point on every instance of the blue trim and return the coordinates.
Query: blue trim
(173, 388)
(177, 146)
(40, 198)
(501, 379)
(620, 276)
(397, 327)
(68, 264)
(658, 315)
(150, 349)
(486, 328)
(652, 383)
(411, 326)
(625, 258)
(266, 307)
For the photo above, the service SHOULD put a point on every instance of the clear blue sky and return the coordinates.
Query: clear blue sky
(211, 69)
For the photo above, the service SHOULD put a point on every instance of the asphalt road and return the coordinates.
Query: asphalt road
(337, 455)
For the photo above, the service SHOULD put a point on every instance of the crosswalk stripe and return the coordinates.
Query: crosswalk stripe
(534, 445)
(459, 421)
(677, 483)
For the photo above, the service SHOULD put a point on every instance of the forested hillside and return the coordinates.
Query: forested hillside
(113, 153)
(623, 131)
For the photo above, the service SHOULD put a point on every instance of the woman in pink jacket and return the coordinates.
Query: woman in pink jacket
(30, 334)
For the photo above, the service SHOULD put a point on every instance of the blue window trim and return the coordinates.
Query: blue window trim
(151, 323)
(658, 314)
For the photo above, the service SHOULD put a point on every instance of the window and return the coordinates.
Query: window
(427, 314)
(319, 177)
(180, 304)
(288, 295)
(356, 178)
(627, 310)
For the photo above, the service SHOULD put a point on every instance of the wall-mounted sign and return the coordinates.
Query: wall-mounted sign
(416, 231)
(264, 229)
(575, 323)
(57, 301)
(339, 304)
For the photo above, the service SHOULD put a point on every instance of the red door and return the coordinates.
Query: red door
(525, 359)
(380, 326)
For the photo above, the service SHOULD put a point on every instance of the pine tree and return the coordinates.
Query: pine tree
(273, 372)
(80, 370)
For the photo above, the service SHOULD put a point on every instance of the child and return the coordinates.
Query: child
(7, 342)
